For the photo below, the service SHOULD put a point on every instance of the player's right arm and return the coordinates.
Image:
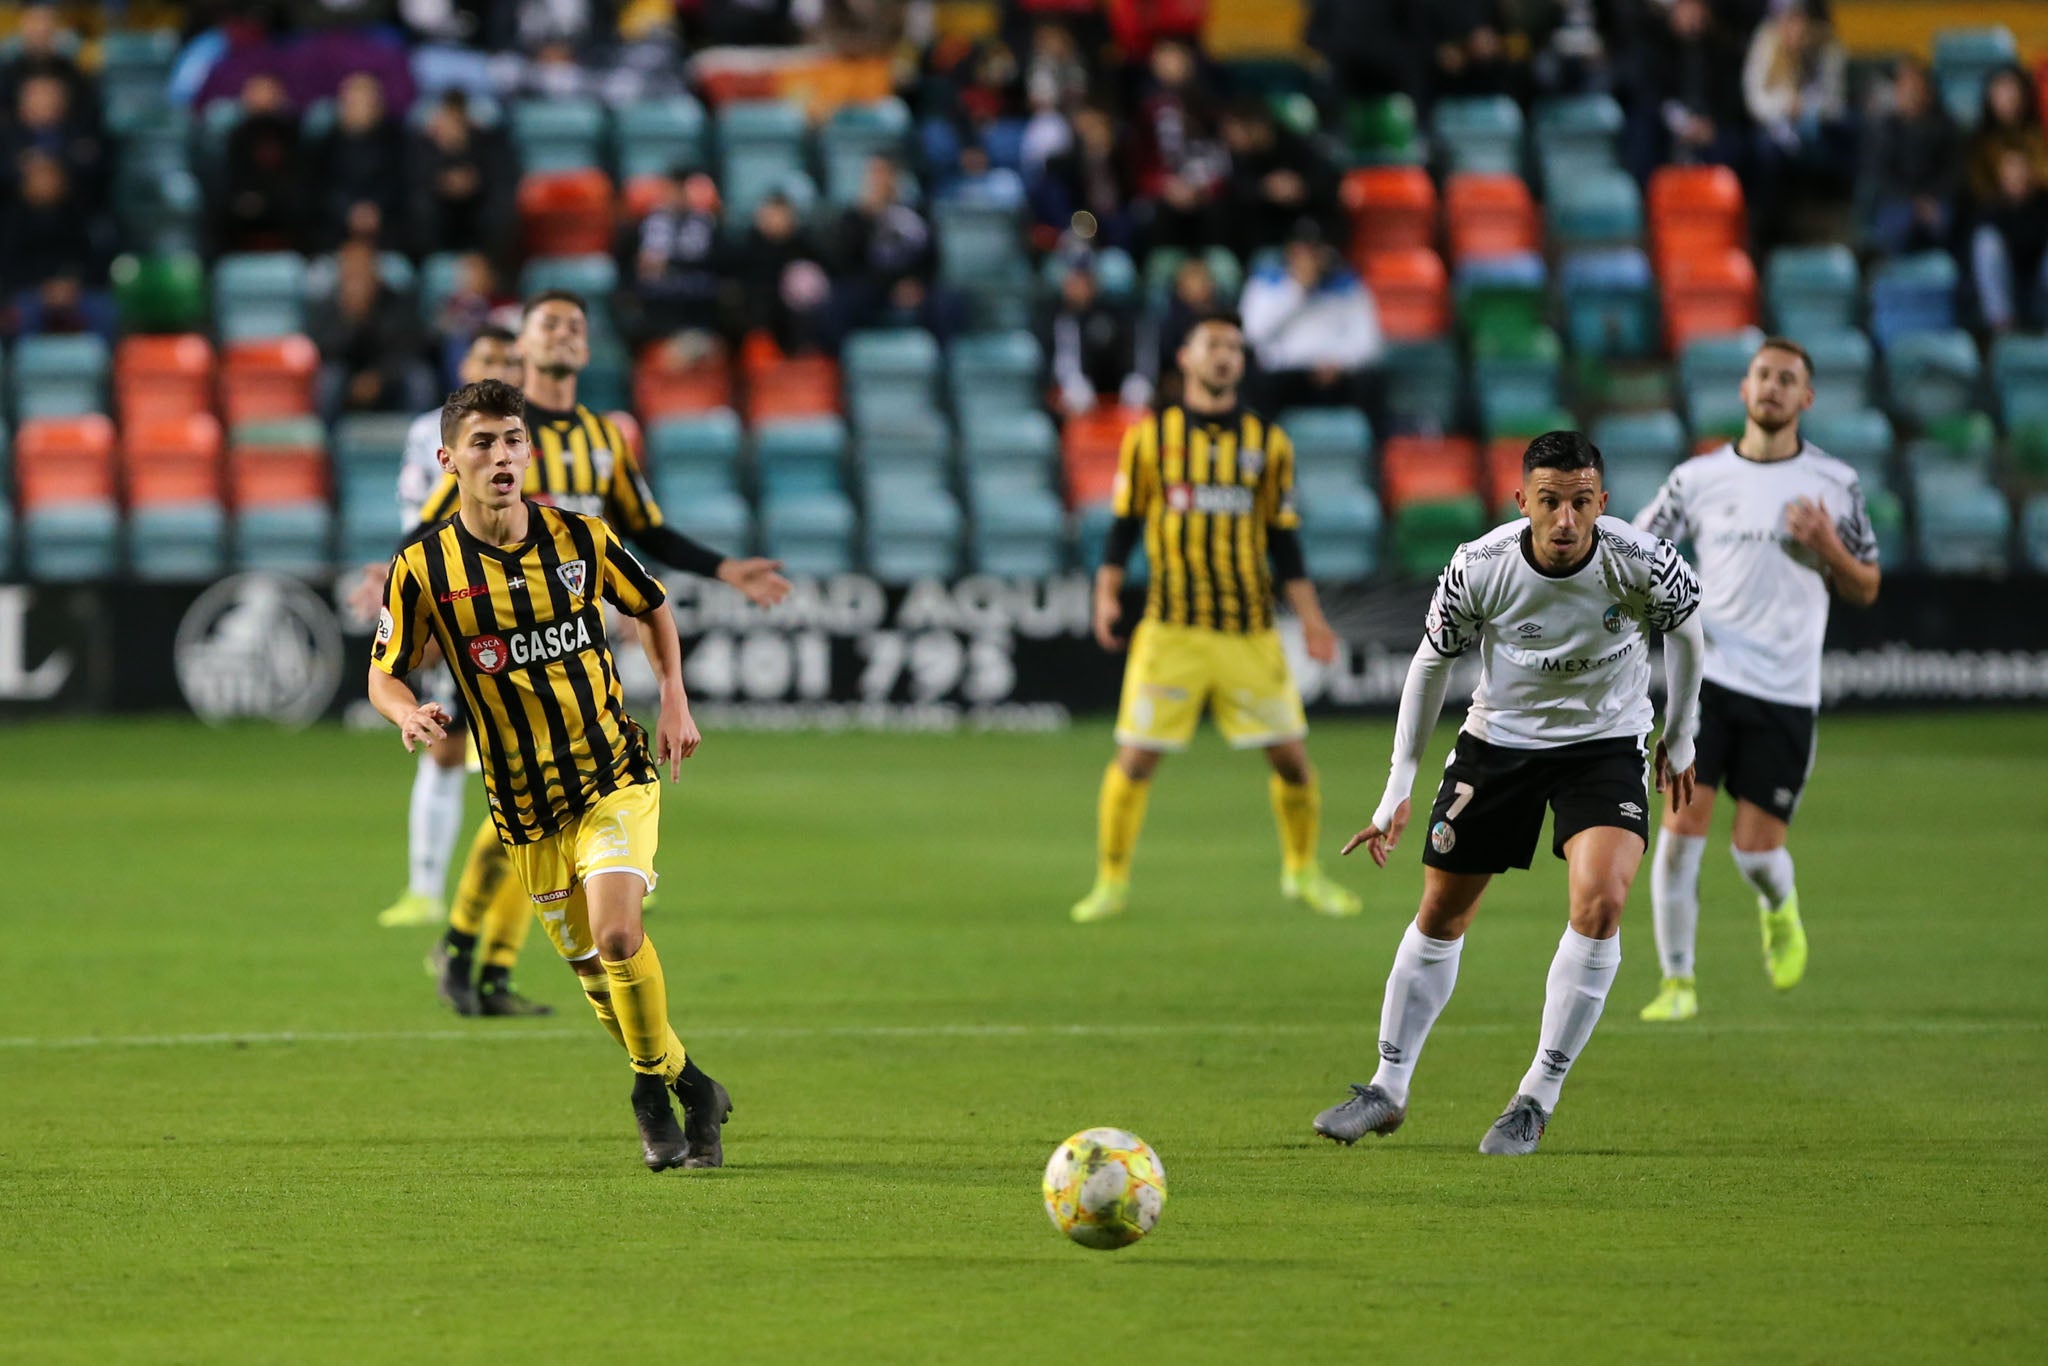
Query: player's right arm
(1666, 515)
(1129, 502)
(403, 630)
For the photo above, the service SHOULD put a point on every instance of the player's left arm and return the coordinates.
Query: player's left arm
(625, 583)
(1283, 548)
(630, 506)
(1673, 609)
(1847, 548)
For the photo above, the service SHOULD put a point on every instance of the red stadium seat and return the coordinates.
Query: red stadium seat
(1089, 448)
(1490, 215)
(271, 377)
(1695, 210)
(566, 213)
(1392, 208)
(1707, 294)
(64, 459)
(661, 388)
(263, 475)
(629, 427)
(1427, 469)
(1412, 292)
(1503, 472)
(802, 386)
(166, 376)
(172, 459)
(643, 195)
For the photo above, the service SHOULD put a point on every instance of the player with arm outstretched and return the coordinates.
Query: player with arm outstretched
(1559, 607)
(1209, 487)
(510, 592)
(1775, 524)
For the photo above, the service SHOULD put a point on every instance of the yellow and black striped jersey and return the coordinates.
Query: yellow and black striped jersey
(1210, 488)
(523, 633)
(581, 462)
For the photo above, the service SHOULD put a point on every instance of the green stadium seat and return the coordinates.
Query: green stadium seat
(558, 134)
(59, 376)
(1962, 524)
(2019, 375)
(159, 293)
(1933, 375)
(1811, 288)
(1963, 57)
(1860, 437)
(1502, 296)
(1888, 521)
(2029, 451)
(186, 542)
(658, 136)
(1515, 375)
(1429, 531)
(1381, 131)
(1482, 133)
(259, 294)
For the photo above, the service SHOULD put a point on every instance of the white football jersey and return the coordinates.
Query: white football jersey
(1562, 658)
(1765, 605)
(418, 469)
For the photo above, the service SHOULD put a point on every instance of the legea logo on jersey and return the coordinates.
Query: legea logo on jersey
(1211, 499)
(259, 645)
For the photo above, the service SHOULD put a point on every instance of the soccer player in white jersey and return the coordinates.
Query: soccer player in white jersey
(434, 819)
(1559, 606)
(1775, 524)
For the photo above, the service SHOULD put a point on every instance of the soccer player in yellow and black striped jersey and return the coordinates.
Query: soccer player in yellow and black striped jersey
(583, 463)
(510, 592)
(1209, 486)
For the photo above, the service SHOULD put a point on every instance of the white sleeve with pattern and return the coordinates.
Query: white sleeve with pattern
(1422, 702)
(1859, 537)
(1685, 657)
(1665, 516)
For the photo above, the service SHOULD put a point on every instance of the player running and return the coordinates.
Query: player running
(434, 818)
(583, 463)
(1559, 606)
(1209, 484)
(509, 590)
(1774, 523)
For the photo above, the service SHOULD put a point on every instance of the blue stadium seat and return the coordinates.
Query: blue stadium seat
(285, 538)
(1574, 134)
(71, 542)
(7, 537)
(394, 269)
(1844, 369)
(760, 143)
(1594, 207)
(1911, 294)
(1019, 527)
(800, 456)
(717, 517)
(1962, 524)
(1860, 437)
(1513, 383)
(1610, 303)
(259, 294)
(656, 137)
(1811, 288)
(913, 527)
(1963, 57)
(691, 455)
(558, 134)
(1933, 375)
(1653, 441)
(1091, 531)
(1424, 385)
(1482, 133)
(811, 532)
(890, 368)
(1340, 527)
(854, 135)
(1116, 275)
(594, 277)
(748, 180)
(2033, 533)
(371, 442)
(2019, 374)
(59, 376)
(1336, 441)
(135, 67)
(999, 373)
(438, 68)
(1014, 446)
(1710, 371)
(905, 441)
(187, 542)
(980, 247)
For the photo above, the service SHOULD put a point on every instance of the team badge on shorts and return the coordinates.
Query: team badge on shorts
(1442, 838)
(572, 577)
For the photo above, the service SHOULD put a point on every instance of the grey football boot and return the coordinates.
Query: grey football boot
(1518, 1130)
(1369, 1111)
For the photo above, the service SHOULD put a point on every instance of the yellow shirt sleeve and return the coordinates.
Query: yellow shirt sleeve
(629, 502)
(624, 581)
(404, 624)
(1131, 496)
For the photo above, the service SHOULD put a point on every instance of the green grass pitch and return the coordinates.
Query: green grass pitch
(235, 1125)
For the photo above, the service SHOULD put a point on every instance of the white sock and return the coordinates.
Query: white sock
(1675, 899)
(1769, 872)
(1579, 977)
(1420, 983)
(432, 824)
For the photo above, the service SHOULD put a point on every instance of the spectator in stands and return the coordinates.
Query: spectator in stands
(1137, 26)
(2009, 250)
(1312, 326)
(784, 287)
(675, 262)
(54, 250)
(1160, 335)
(746, 23)
(1469, 51)
(369, 344)
(884, 259)
(1373, 47)
(1091, 342)
(1795, 84)
(1055, 65)
(1685, 98)
(557, 72)
(262, 200)
(1277, 178)
(2011, 121)
(1912, 167)
(363, 169)
(1181, 162)
(473, 300)
(39, 50)
(44, 122)
(464, 183)
(1093, 176)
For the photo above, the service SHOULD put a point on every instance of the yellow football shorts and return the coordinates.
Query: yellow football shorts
(1176, 671)
(616, 833)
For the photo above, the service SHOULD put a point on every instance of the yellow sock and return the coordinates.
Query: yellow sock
(640, 1000)
(1119, 815)
(1297, 810)
(506, 921)
(597, 991)
(484, 871)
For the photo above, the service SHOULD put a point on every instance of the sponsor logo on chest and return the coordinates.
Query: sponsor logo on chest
(493, 654)
(1229, 500)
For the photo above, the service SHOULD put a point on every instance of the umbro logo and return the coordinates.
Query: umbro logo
(1390, 1050)
(1632, 811)
(1529, 630)
(1782, 797)
(1554, 1061)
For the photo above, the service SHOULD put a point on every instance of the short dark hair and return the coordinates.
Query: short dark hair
(1562, 451)
(494, 333)
(1787, 344)
(486, 398)
(554, 296)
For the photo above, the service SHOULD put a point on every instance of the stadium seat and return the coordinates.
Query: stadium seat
(1381, 130)
(594, 275)
(1116, 275)
(1480, 133)
(1610, 303)
(59, 376)
(64, 459)
(1014, 445)
(1341, 525)
(904, 440)
(1710, 372)
(1499, 296)
(558, 134)
(1161, 264)
(1963, 57)
(1411, 293)
(278, 486)
(663, 387)
(566, 213)
(811, 533)
(1500, 474)
(855, 134)
(1860, 437)
(1090, 445)
(1695, 211)
(135, 66)
(2019, 376)
(656, 137)
(175, 459)
(1490, 215)
(913, 528)
(1912, 294)
(1961, 441)
(1573, 134)
(1414, 468)
(1328, 442)
(1424, 385)
(159, 211)
(800, 455)
(760, 147)
(1018, 529)
(259, 294)
(1595, 206)
(998, 373)
(980, 247)
(1932, 375)
(800, 386)
(1810, 289)
(1708, 293)
(2034, 532)
(264, 379)
(179, 542)
(71, 542)
(1844, 368)
(1652, 440)
(1429, 531)
(888, 370)
(2029, 452)
(159, 292)
(1962, 525)
(1391, 208)
(163, 376)
(1514, 377)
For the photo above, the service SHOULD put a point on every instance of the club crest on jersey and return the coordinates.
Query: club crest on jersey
(1442, 838)
(1614, 618)
(1250, 463)
(601, 465)
(489, 654)
(573, 575)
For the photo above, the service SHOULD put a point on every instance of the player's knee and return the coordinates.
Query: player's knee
(618, 943)
(1291, 763)
(1443, 919)
(1596, 910)
(1138, 764)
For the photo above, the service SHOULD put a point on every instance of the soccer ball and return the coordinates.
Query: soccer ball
(1104, 1188)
